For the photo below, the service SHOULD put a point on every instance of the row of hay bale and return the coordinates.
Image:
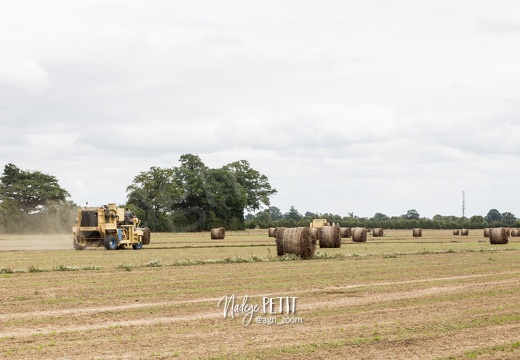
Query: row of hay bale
(302, 241)
(500, 235)
(330, 236)
(495, 235)
(509, 232)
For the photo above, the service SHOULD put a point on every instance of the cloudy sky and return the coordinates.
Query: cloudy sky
(346, 106)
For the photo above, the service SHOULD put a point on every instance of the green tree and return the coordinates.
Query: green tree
(10, 217)
(192, 213)
(153, 195)
(275, 212)
(31, 201)
(493, 215)
(31, 191)
(293, 214)
(256, 185)
(380, 217)
(477, 222)
(194, 197)
(508, 218)
(412, 215)
(225, 199)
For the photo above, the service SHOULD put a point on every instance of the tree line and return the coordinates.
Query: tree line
(188, 197)
(194, 197)
(273, 217)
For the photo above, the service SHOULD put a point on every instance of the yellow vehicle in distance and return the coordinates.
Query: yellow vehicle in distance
(319, 223)
(107, 226)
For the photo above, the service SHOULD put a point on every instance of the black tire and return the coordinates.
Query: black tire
(79, 242)
(146, 236)
(138, 246)
(110, 242)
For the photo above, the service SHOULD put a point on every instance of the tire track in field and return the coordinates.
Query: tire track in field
(218, 312)
(101, 309)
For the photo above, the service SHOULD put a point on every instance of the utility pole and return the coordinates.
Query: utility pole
(463, 204)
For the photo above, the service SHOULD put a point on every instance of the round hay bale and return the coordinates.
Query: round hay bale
(417, 232)
(279, 247)
(146, 236)
(486, 232)
(464, 232)
(330, 237)
(298, 241)
(498, 236)
(456, 232)
(515, 232)
(369, 230)
(218, 233)
(315, 232)
(359, 234)
(377, 232)
(271, 232)
(508, 232)
(345, 232)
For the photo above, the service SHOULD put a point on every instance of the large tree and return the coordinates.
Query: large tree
(196, 197)
(31, 201)
(256, 185)
(493, 215)
(153, 195)
(508, 218)
(30, 191)
(412, 215)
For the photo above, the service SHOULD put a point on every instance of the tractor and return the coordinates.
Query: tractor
(106, 226)
(319, 223)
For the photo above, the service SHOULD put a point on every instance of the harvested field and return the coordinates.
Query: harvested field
(396, 297)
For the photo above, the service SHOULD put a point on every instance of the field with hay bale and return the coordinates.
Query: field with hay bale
(399, 297)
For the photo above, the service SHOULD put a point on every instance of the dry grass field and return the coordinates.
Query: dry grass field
(397, 297)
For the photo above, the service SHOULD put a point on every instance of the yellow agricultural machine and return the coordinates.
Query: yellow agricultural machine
(319, 223)
(106, 226)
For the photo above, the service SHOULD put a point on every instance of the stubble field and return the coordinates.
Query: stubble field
(396, 297)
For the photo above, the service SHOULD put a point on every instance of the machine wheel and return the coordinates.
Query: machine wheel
(79, 242)
(138, 246)
(146, 236)
(110, 242)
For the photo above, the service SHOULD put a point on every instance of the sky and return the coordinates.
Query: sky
(346, 106)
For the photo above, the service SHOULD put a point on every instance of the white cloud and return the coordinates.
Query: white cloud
(22, 74)
(380, 106)
(500, 19)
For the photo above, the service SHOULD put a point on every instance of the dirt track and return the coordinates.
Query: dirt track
(32, 242)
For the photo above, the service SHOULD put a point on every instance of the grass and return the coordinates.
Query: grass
(378, 298)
